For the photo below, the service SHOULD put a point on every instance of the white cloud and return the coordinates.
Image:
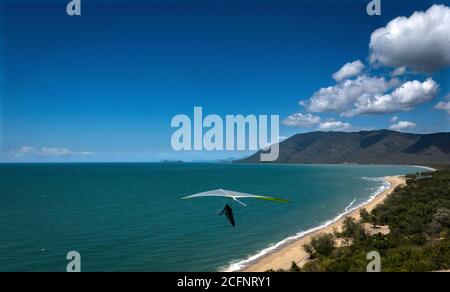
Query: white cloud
(403, 125)
(24, 150)
(371, 95)
(349, 70)
(398, 71)
(335, 126)
(394, 119)
(309, 121)
(420, 42)
(341, 97)
(46, 152)
(302, 120)
(404, 98)
(445, 106)
(54, 152)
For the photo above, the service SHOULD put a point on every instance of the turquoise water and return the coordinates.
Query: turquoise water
(129, 217)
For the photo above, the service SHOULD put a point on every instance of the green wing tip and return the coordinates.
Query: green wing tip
(283, 200)
(275, 199)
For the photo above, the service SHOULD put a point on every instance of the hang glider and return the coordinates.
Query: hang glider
(235, 196)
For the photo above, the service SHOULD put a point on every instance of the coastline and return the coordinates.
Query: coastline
(426, 167)
(283, 256)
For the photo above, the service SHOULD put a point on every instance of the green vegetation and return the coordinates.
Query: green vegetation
(320, 246)
(418, 216)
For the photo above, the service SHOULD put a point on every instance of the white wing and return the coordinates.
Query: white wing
(233, 195)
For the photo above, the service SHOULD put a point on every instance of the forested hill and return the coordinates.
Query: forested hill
(367, 147)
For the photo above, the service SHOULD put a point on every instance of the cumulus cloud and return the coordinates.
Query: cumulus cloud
(349, 70)
(403, 125)
(371, 95)
(420, 42)
(445, 106)
(404, 98)
(302, 120)
(341, 97)
(335, 126)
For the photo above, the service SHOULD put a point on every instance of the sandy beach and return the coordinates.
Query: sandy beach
(293, 251)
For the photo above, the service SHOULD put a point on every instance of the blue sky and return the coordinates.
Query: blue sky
(105, 86)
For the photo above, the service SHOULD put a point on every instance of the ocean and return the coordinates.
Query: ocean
(129, 217)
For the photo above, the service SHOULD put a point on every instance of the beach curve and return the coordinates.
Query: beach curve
(281, 255)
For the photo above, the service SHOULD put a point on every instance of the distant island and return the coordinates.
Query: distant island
(365, 147)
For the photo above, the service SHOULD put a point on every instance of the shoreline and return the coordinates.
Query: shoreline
(290, 250)
(426, 167)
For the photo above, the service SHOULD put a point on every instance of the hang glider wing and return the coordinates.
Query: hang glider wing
(234, 196)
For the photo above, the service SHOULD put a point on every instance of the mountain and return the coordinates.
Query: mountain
(367, 147)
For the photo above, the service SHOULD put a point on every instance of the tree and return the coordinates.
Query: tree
(294, 268)
(440, 221)
(349, 227)
(442, 216)
(309, 249)
(365, 216)
(373, 220)
(320, 245)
